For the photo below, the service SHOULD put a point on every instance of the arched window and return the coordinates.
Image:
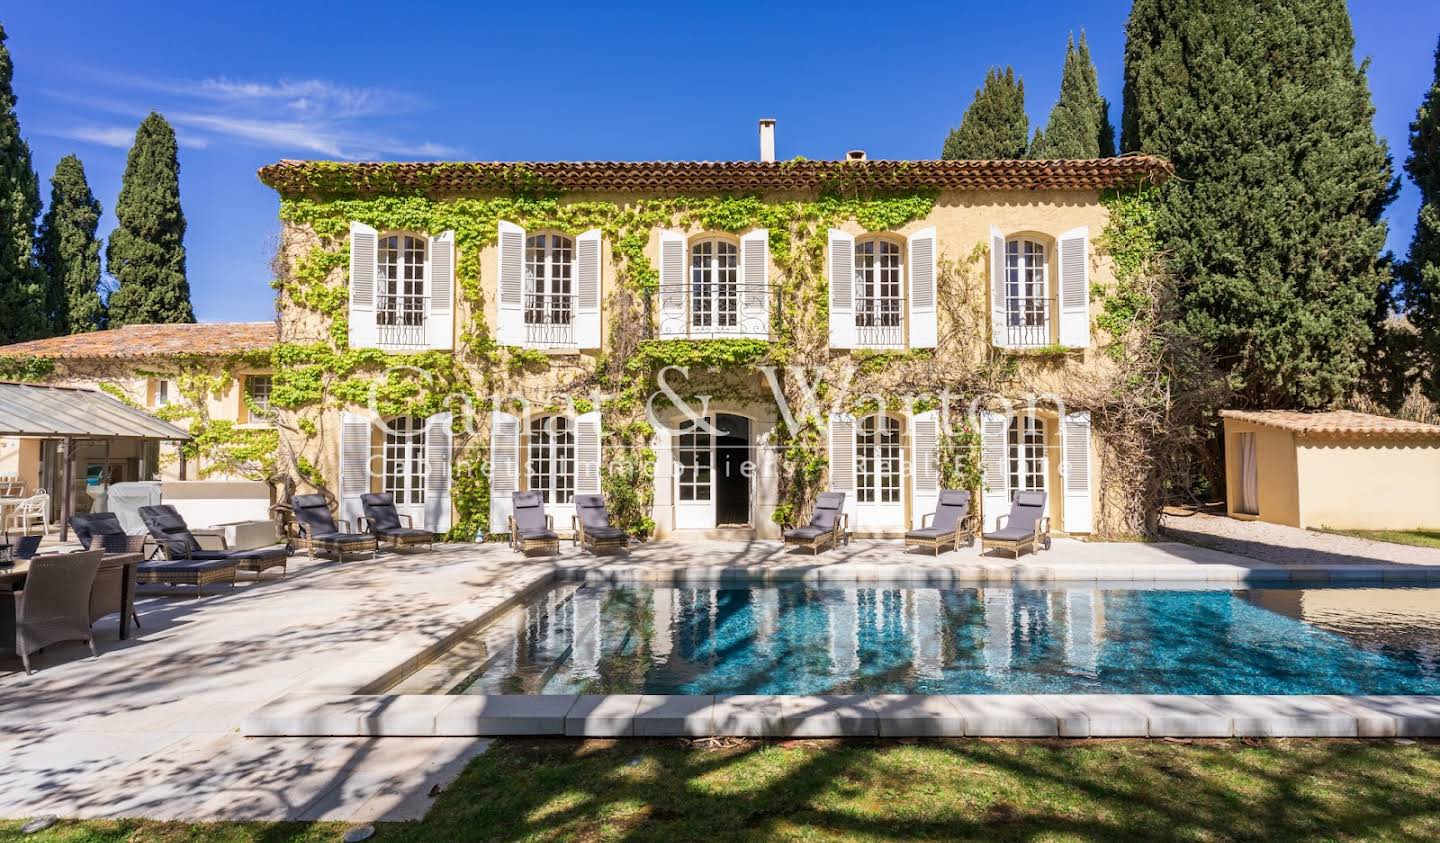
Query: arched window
(549, 279)
(879, 302)
(1027, 293)
(1026, 454)
(552, 458)
(400, 283)
(877, 459)
(404, 457)
(714, 285)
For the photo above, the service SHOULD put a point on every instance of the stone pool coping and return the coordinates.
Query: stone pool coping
(350, 700)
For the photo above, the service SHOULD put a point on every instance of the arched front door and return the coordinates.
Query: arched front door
(714, 473)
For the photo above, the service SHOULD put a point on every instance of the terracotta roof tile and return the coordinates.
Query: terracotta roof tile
(131, 341)
(1335, 422)
(662, 178)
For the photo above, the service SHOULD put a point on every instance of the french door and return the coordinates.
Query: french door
(404, 466)
(695, 475)
(879, 455)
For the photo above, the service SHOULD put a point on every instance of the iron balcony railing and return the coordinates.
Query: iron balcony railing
(879, 323)
(550, 319)
(400, 321)
(710, 311)
(1027, 322)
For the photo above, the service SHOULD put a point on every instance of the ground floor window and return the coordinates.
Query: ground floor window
(404, 460)
(877, 459)
(552, 458)
(1027, 456)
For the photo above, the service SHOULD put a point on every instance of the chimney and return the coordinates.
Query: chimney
(855, 155)
(767, 140)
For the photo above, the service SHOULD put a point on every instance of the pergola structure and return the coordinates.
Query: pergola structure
(70, 415)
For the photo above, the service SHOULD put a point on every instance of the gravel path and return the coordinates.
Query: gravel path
(1289, 545)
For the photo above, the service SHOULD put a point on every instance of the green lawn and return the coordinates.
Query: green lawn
(1418, 538)
(817, 790)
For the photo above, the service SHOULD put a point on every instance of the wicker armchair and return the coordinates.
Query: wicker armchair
(530, 528)
(951, 521)
(54, 606)
(1026, 527)
(827, 527)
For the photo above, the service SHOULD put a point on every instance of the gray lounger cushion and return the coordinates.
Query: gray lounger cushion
(184, 566)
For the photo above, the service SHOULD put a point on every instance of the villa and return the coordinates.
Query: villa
(510, 326)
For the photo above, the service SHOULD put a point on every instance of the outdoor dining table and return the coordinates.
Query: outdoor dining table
(12, 576)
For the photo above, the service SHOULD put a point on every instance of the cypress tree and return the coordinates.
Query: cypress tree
(1420, 275)
(995, 125)
(1079, 125)
(146, 252)
(22, 285)
(1273, 227)
(69, 251)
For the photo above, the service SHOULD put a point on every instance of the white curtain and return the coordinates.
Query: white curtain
(1249, 477)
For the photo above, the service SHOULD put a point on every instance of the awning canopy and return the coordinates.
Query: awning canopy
(59, 412)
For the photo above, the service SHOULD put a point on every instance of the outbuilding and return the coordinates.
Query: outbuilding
(1340, 469)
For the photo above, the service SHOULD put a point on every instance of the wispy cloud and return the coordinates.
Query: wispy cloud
(305, 117)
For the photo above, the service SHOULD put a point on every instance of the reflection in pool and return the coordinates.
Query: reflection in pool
(800, 639)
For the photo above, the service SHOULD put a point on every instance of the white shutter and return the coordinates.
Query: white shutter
(587, 289)
(993, 449)
(504, 468)
(998, 335)
(510, 295)
(363, 241)
(587, 453)
(923, 327)
(1075, 445)
(438, 439)
(924, 465)
(842, 289)
(672, 285)
(354, 466)
(755, 284)
(842, 457)
(440, 322)
(1075, 288)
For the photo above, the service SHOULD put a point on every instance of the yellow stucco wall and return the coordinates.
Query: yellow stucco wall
(1366, 484)
(1343, 482)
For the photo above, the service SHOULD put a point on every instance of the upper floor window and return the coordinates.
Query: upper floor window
(879, 302)
(714, 285)
(162, 393)
(552, 458)
(549, 289)
(400, 303)
(1027, 293)
(257, 393)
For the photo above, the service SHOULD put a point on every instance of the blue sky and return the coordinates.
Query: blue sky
(250, 83)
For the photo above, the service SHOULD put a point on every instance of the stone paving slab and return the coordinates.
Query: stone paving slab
(747, 716)
(832, 716)
(670, 716)
(1096, 716)
(917, 716)
(1005, 715)
(603, 715)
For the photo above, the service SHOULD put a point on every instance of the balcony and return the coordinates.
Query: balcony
(400, 321)
(879, 323)
(1027, 322)
(715, 311)
(549, 320)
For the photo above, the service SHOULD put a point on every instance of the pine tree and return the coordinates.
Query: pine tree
(1272, 228)
(69, 251)
(1079, 125)
(146, 252)
(995, 125)
(22, 284)
(1420, 275)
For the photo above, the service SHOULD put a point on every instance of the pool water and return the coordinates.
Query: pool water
(803, 639)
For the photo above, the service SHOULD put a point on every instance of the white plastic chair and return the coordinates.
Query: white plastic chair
(27, 512)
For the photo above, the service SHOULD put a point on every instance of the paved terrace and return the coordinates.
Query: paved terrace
(152, 728)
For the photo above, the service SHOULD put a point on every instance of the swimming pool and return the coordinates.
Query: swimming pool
(905, 639)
